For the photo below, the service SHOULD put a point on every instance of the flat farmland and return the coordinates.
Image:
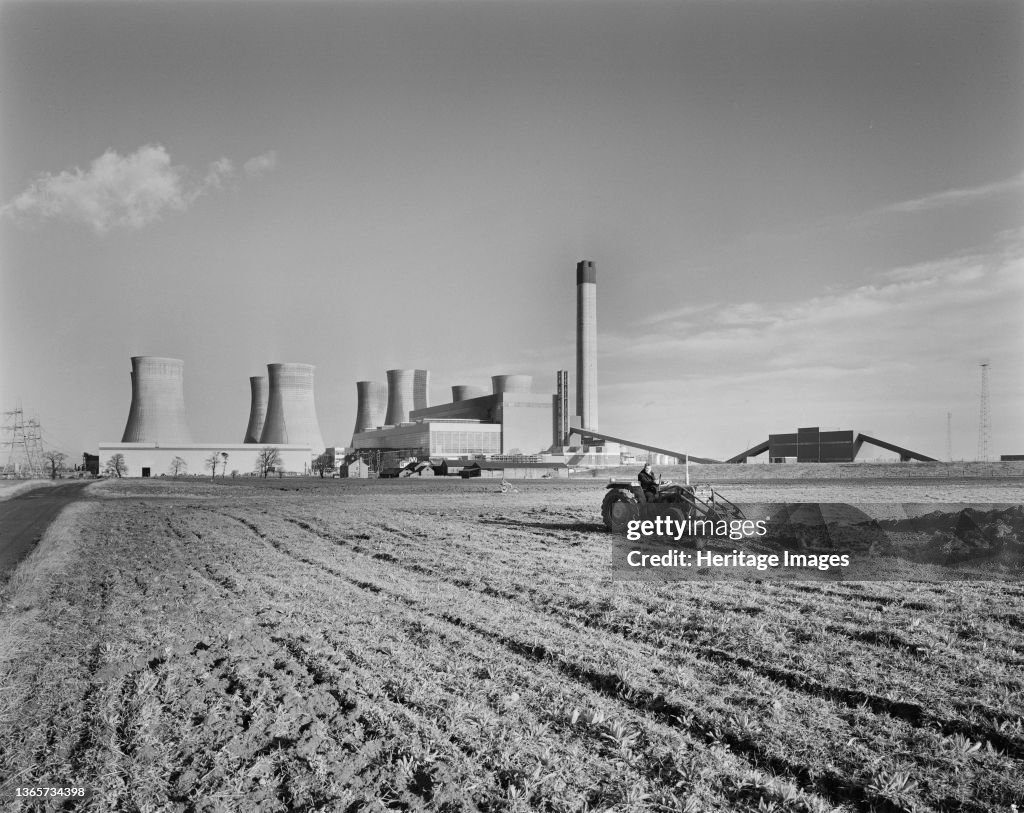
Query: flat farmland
(438, 645)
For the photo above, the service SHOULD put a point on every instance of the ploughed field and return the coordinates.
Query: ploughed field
(438, 645)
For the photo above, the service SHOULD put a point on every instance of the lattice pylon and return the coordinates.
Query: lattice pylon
(949, 436)
(24, 442)
(985, 418)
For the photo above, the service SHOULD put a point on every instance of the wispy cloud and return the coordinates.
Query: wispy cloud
(120, 191)
(260, 164)
(953, 197)
(901, 307)
(888, 213)
(869, 356)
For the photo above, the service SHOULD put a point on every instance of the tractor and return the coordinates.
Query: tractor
(625, 501)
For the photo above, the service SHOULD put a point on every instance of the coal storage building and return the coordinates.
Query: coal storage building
(811, 445)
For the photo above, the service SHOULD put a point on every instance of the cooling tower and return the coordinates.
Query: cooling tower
(421, 389)
(257, 408)
(291, 412)
(157, 413)
(460, 392)
(401, 398)
(586, 344)
(372, 405)
(511, 383)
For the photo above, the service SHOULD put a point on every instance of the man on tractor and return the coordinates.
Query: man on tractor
(648, 483)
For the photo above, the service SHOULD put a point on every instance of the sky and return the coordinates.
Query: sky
(802, 213)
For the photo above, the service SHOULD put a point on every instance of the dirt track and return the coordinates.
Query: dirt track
(25, 516)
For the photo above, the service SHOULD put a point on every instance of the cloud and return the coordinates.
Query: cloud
(883, 214)
(124, 191)
(953, 197)
(886, 354)
(260, 164)
(219, 171)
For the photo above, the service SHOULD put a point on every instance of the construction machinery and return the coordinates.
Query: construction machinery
(625, 501)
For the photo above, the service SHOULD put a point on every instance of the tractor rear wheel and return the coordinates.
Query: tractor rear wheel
(619, 509)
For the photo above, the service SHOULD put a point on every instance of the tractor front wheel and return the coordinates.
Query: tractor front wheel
(618, 510)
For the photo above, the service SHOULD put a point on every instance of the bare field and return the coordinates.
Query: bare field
(437, 645)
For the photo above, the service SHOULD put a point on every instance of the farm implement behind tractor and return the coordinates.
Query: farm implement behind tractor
(625, 502)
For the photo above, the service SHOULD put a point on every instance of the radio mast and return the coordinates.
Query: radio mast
(985, 418)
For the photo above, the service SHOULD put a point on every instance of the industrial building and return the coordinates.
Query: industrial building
(155, 460)
(282, 416)
(811, 445)
(511, 419)
(394, 419)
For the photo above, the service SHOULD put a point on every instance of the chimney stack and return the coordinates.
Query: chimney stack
(586, 344)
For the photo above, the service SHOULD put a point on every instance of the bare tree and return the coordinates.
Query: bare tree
(117, 466)
(56, 460)
(178, 466)
(267, 460)
(212, 462)
(322, 464)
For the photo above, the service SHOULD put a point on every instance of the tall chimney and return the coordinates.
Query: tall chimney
(291, 411)
(257, 408)
(401, 398)
(157, 412)
(371, 406)
(586, 344)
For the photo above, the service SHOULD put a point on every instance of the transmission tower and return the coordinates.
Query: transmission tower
(949, 436)
(985, 419)
(24, 442)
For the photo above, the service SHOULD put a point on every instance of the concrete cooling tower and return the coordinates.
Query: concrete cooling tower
(257, 408)
(586, 344)
(157, 413)
(401, 396)
(291, 412)
(511, 383)
(372, 405)
(462, 392)
(420, 389)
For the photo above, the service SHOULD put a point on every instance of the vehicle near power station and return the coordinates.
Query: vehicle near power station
(625, 502)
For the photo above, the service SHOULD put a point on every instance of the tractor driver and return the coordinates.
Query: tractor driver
(648, 483)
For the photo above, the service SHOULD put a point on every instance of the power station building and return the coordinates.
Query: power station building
(510, 420)
(282, 416)
(395, 419)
